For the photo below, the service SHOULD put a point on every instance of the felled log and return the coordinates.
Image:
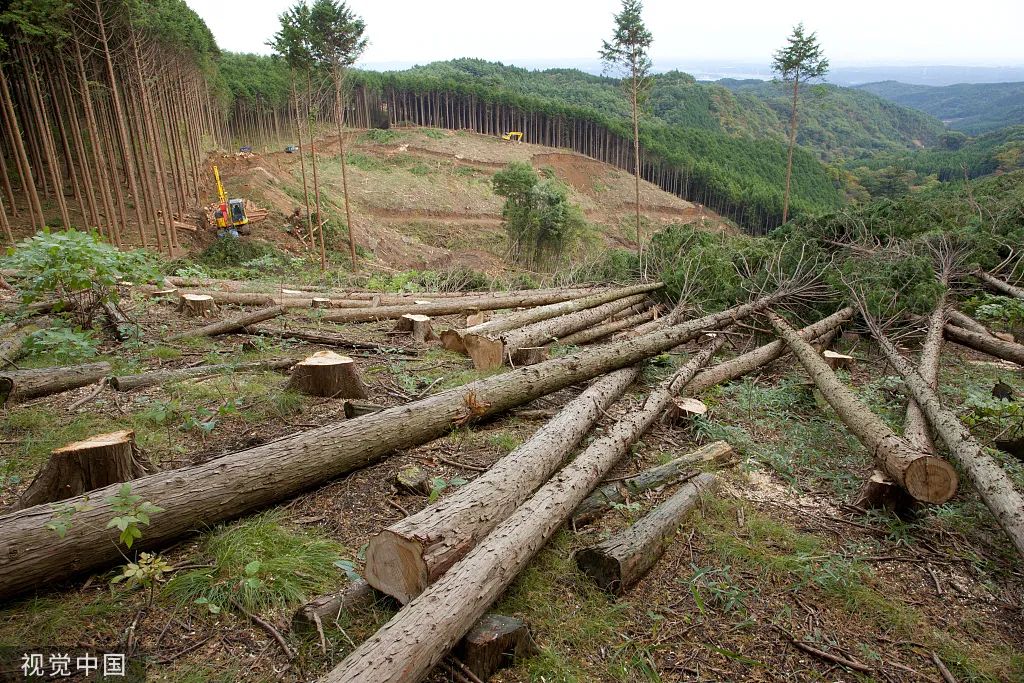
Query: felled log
(622, 560)
(986, 343)
(418, 326)
(763, 355)
(409, 555)
(992, 483)
(632, 310)
(489, 352)
(155, 377)
(965, 321)
(288, 300)
(238, 483)
(232, 324)
(12, 347)
(585, 336)
(118, 322)
(495, 642)
(925, 477)
(327, 608)
(416, 638)
(619, 492)
(329, 374)
(197, 305)
(456, 306)
(358, 408)
(84, 466)
(453, 339)
(324, 339)
(22, 385)
(1001, 286)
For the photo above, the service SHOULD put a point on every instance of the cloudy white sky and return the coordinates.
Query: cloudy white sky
(866, 32)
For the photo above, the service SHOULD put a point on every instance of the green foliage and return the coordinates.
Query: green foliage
(626, 52)
(147, 571)
(973, 108)
(131, 512)
(890, 285)
(542, 225)
(1006, 313)
(260, 565)
(801, 59)
(62, 343)
(336, 35)
(69, 262)
(439, 484)
(379, 136)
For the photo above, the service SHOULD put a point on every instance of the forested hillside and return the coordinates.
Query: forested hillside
(973, 108)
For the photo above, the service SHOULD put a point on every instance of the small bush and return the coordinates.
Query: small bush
(435, 134)
(62, 343)
(228, 252)
(381, 136)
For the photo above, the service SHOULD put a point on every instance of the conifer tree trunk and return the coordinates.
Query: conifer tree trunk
(338, 76)
(792, 144)
(25, 168)
(316, 178)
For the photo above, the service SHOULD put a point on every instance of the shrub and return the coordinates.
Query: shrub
(63, 343)
(380, 136)
(229, 252)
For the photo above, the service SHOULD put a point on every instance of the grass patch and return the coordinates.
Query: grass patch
(58, 620)
(261, 565)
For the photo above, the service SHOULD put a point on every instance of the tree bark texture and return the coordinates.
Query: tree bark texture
(22, 385)
(232, 324)
(607, 329)
(1001, 286)
(986, 343)
(155, 377)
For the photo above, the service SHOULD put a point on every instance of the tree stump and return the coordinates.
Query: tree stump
(163, 293)
(477, 318)
(837, 361)
(327, 373)
(320, 302)
(417, 325)
(495, 642)
(197, 305)
(83, 466)
(880, 492)
(413, 480)
(683, 409)
(530, 355)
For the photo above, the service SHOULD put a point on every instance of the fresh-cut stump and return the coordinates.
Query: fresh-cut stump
(622, 560)
(197, 305)
(84, 466)
(329, 374)
(683, 409)
(418, 326)
(495, 642)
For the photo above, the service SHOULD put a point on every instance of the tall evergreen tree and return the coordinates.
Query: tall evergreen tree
(626, 53)
(337, 42)
(800, 60)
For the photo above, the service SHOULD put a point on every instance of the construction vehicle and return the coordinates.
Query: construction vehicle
(513, 135)
(231, 212)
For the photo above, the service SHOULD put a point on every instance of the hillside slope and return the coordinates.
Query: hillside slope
(421, 198)
(973, 108)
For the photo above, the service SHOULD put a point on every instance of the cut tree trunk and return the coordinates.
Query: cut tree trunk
(472, 304)
(409, 555)
(22, 385)
(329, 374)
(417, 325)
(495, 642)
(992, 483)
(197, 305)
(620, 492)
(85, 466)
(453, 339)
(987, 343)
(489, 352)
(155, 377)
(925, 477)
(622, 560)
(915, 427)
(967, 322)
(763, 355)
(232, 324)
(997, 285)
(324, 339)
(836, 360)
(228, 487)
(283, 299)
(592, 334)
(327, 608)
(415, 639)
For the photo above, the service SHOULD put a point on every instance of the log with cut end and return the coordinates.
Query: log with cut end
(197, 305)
(418, 326)
(416, 638)
(324, 339)
(986, 343)
(22, 385)
(489, 352)
(157, 377)
(1001, 286)
(84, 466)
(995, 488)
(453, 339)
(409, 555)
(239, 483)
(495, 642)
(718, 452)
(925, 477)
(622, 560)
(763, 355)
(461, 305)
(294, 300)
(915, 427)
(327, 608)
(329, 374)
(232, 324)
(603, 330)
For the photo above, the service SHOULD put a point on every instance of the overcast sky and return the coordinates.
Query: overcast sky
(867, 32)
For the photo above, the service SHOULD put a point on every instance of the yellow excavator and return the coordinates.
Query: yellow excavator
(231, 212)
(513, 135)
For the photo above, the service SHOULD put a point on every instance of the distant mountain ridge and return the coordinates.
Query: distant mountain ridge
(972, 108)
